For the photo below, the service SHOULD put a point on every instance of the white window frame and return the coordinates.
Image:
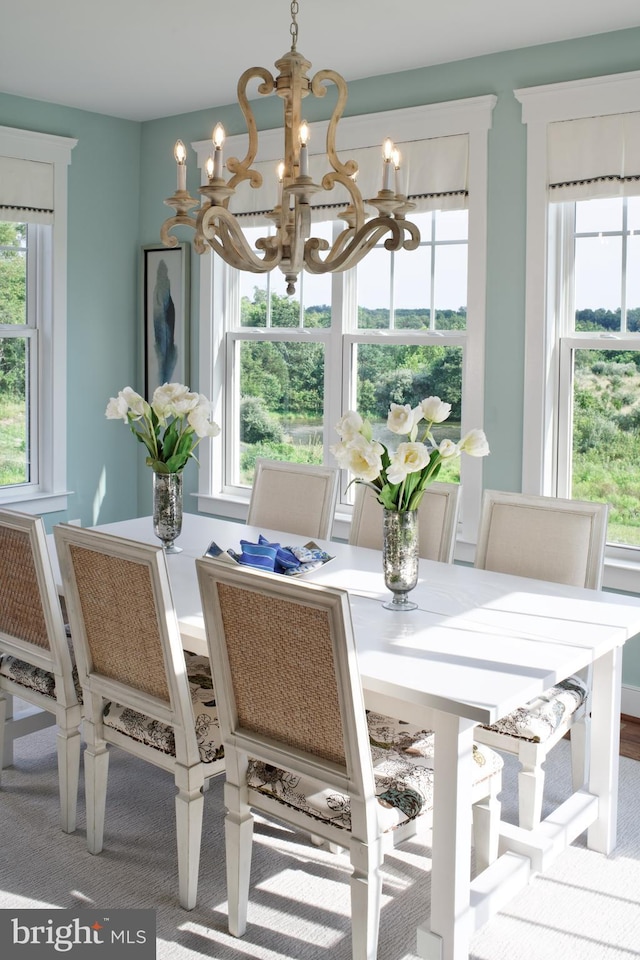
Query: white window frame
(473, 117)
(47, 492)
(598, 96)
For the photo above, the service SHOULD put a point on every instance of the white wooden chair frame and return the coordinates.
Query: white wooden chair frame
(281, 498)
(366, 842)
(64, 710)
(437, 520)
(190, 773)
(530, 754)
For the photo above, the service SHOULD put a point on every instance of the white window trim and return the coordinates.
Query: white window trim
(542, 105)
(472, 116)
(50, 493)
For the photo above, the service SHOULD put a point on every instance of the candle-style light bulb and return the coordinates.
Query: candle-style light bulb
(280, 172)
(387, 164)
(218, 140)
(401, 190)
(209, 167)
(304, 135)
(180, 153)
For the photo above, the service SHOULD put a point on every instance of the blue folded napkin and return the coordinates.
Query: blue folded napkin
(285, 558)
(267, 556)
(261, 555)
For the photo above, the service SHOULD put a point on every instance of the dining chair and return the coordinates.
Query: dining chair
(142, 693)
(36, 665)
(437, 520)
(298, 498)
(562, 541)
(299, 746)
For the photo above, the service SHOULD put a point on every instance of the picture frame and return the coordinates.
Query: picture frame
(165, 283)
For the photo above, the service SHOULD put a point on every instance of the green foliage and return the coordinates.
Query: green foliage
(291, 453)
(257, 424)
(13, 442)
(13, 305)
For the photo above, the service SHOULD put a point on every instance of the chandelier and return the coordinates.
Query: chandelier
(291, 247)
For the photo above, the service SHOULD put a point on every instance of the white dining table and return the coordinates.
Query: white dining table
(478, 645)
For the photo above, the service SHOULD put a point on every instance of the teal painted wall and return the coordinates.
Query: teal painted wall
(121, 172)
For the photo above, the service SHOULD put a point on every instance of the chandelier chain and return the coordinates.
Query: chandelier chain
(293, 29)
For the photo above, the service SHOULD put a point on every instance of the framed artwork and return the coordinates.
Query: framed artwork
(165, 311)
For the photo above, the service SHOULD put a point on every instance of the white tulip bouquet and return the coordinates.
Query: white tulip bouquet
(399, 479)
(170, 427)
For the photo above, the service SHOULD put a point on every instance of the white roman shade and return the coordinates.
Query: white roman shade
(434, 173)
(594, 157)
(26, 190)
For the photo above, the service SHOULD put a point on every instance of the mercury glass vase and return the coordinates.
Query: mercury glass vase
(400, 556)
(167, 509)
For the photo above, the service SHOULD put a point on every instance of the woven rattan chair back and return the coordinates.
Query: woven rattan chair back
(297, 498)
(120, 620)
(21, 613)
(35, 660)
(437, 520)
(282, 669)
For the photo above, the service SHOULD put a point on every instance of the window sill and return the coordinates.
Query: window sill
(37, 503)
(623, 575)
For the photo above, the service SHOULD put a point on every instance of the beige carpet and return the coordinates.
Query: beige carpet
(585, 908)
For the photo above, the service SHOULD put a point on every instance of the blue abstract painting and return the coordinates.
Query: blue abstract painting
(164, 325)
(165, 284)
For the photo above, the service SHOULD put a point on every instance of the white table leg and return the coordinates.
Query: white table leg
(605, 749)
(447, 935)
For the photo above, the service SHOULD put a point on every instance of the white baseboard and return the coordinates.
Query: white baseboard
(631, 700)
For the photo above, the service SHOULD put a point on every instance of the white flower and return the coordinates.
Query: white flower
(435, 410)
(349, 425)
(363, 457)
(127, 401)
(448, 449)
(475, 443)
(402, 417)
(200, 418)
(408, 458)
(137, 404)
(117, 408)
(341, 452)
(173, 399)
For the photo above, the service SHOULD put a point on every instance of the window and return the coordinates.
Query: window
(397, 327)
(599, 402)
(582, 413)
(33, 218)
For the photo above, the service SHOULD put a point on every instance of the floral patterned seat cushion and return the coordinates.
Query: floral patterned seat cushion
(140, 727)
(541, 717)
(35, 678)
(402, 756)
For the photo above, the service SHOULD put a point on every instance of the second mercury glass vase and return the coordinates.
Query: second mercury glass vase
(400, 543)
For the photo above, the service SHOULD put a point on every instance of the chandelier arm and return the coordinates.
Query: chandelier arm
(242, 168)
(319, 90)
(328, 182)
(222, 232)
(170, 223)
(342, 257)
